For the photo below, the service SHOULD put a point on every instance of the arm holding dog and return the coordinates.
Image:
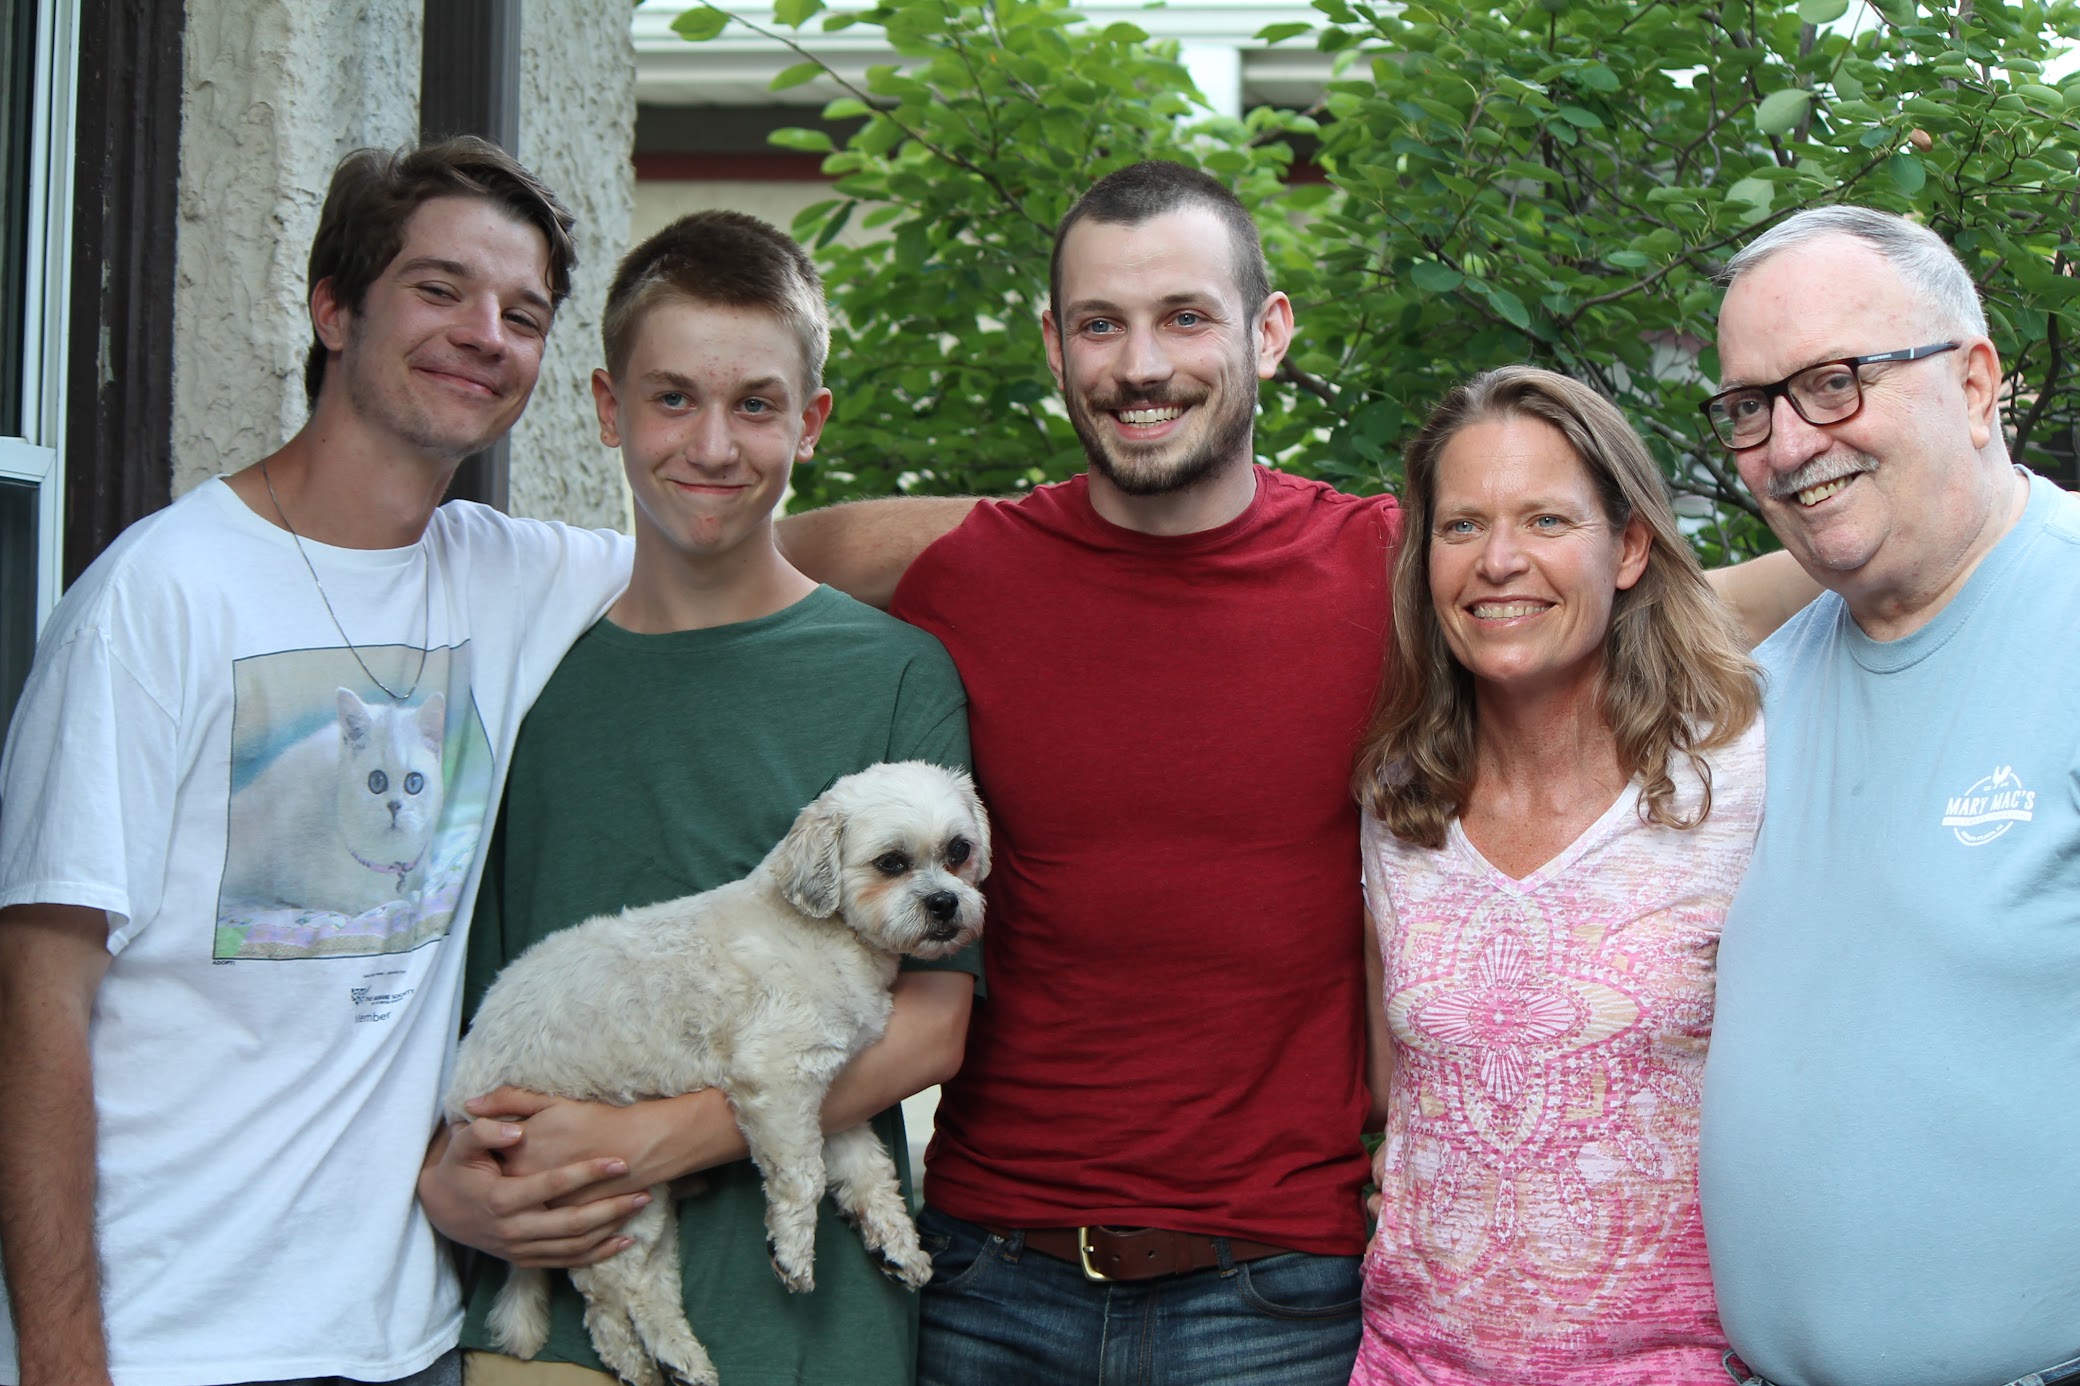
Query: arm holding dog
(52, 959)
(863, 548)
(665, 1138)
(524, 1217)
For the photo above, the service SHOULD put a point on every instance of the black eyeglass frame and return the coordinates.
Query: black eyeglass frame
(1782, 389)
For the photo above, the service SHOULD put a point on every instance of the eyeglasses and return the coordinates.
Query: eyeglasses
(1829, 393)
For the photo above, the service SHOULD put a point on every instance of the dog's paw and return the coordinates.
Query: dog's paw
(696, 1377)
(800, 1277)
(912, 1264)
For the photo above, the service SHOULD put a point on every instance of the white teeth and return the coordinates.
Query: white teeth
(1149, 416)
(1813, 495)
(1503, 611)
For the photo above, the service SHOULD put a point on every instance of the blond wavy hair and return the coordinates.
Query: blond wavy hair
(1676, 679)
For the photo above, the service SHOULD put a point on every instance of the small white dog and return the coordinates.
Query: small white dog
(765, 988)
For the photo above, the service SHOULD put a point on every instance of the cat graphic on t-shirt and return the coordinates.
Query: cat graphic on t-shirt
(342, 819)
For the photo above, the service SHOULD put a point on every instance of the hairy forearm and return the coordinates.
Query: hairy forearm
(51, 961)
(863, 548)
(1764, 592)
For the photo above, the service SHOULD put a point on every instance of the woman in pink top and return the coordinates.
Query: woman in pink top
(1562, 786)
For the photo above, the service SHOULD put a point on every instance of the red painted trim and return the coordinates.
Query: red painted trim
(779, 166)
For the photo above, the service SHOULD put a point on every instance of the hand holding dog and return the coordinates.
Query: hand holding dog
(657, 1141)
(470, 1198)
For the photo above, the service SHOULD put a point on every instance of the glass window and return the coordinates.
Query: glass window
(18, 550)
(17, 108)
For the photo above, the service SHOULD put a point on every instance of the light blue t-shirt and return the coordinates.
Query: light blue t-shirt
(1891, 1141)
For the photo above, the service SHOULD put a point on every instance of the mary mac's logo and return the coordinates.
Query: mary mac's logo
(1989, 808)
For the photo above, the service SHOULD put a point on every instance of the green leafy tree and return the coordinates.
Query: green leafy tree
(1553, 181)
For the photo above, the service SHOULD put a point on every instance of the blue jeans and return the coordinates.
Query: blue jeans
(996, 1314)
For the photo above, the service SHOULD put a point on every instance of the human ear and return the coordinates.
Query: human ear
(1274, 334)
(815, 415)
(1635, 543)
(329, 316)
(1982, 389)
(608, 407)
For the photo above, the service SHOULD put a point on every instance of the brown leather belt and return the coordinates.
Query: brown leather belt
(1137, 1253)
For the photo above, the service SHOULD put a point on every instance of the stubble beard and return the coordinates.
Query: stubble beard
(401, 415)
(1228, 438)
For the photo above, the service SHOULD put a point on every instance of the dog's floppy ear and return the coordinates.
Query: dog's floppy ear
(980, 816)
(806, 861)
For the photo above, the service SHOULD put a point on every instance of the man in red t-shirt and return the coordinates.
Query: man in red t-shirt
(1151, 1156)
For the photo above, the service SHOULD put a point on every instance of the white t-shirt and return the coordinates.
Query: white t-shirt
(283, 852)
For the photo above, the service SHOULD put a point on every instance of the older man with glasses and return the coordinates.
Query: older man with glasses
(1889, 1123)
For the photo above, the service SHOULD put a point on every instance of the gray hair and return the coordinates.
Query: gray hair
(1923, 261)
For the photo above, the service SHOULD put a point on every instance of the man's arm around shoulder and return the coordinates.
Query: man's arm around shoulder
(863, 548)
(52, 960)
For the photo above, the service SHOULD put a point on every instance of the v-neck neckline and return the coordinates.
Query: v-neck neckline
(1626, 802)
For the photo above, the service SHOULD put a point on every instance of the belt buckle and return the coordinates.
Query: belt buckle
(1083, 1254)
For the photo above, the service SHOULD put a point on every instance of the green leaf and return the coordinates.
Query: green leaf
(1434, 278)
(808, 141)
(1628, 259)
(1279, 33)
(1781, 110)
(1821, 11)
(1508, 304)
(795, 75)
(700, 25)
(1122, 32)
(1578, 115)
(795, 13)
(1756, 192)
(1908, 173)
(847, 108)
(1597, 77)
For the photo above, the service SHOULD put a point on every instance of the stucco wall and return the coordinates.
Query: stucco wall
(577, 125)
(277, 91)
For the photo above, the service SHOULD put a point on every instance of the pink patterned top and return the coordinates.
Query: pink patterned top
(1538, 1218)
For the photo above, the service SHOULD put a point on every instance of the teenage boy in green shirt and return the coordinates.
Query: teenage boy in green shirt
(670, 751)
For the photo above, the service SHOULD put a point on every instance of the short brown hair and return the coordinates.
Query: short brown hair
(1676, 678)
(731, 260)
(374, 193)
(1142, 192)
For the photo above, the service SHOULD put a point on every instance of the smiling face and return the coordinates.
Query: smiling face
(445, 349)
(711, 412)
(1156, 354)
(1524, 564)
(1888, 506)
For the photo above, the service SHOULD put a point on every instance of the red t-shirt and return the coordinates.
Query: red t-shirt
(1163, 730)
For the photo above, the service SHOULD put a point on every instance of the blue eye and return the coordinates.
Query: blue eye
(672, 399)
(377, 782)
(1189, 319)
(413, 782)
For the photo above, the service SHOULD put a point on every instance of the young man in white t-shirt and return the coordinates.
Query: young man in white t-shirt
(241, 808)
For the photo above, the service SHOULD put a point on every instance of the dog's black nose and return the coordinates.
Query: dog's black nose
(942, 904)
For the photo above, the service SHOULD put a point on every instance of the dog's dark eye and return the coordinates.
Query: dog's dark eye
(892, 863)
(957, 851)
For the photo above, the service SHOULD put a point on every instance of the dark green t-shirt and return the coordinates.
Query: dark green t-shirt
(655, 766)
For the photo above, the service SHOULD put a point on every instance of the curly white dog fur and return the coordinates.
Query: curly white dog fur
(765, 988)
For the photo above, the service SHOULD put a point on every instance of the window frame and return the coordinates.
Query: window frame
(35, 456)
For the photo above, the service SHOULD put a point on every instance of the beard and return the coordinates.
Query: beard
(1143, 470)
